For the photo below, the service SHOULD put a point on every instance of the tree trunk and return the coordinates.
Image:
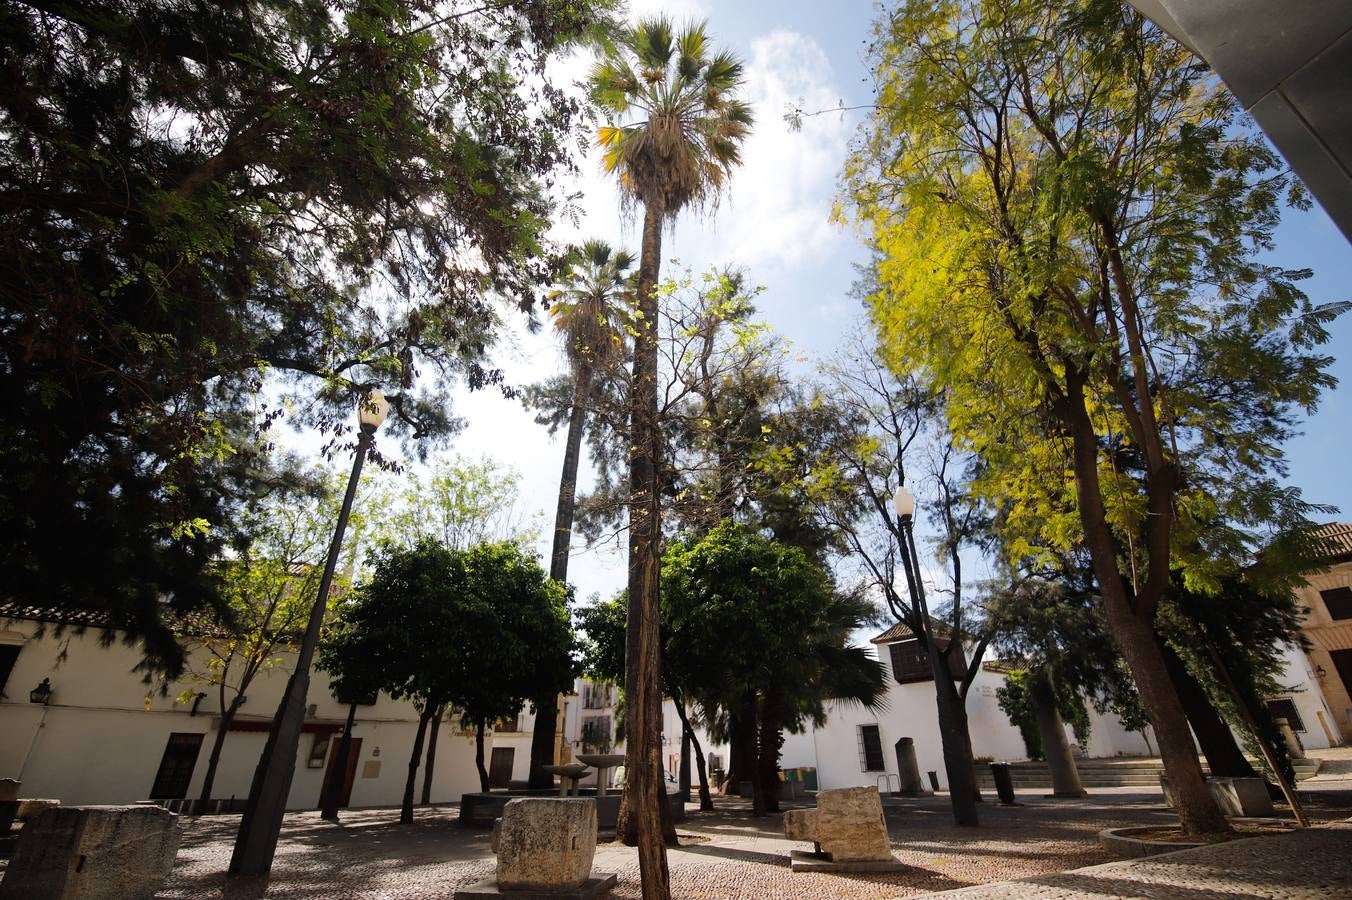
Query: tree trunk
(1052, 731)
(1134, 632)
(430, 769)
(406, 811)
(643, 649)
(1223, 755)
(957, 744)
(209, 780)
(542, 740)
(741, 752)
(768, 746)
(484, 784)
(546, 710)
(683, 779)
(333, 787)
(706, 801)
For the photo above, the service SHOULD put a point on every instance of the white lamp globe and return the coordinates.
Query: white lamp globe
(372, 409)
(904, 502)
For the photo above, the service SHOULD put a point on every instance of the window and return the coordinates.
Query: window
(595, 696)
(870, 749)
(8, 654)
(180, 758)
(1338, 601)
(1286, 709)
(596, 733)
(910, 661)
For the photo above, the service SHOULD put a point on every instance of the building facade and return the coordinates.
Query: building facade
(106, 737)
(857, 746)
(1327, 597)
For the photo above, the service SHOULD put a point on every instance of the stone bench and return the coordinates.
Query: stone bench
(93, 853)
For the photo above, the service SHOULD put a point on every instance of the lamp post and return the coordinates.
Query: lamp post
(256, 842)
(904, 504)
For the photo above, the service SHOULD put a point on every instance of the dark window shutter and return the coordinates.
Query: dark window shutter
(910, 661)
(1338, 601)
(1286, 709)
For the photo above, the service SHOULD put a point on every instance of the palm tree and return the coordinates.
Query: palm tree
(585, 312)
(674, 137)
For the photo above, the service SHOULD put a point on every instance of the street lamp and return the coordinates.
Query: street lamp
(904, 504)
(256, 842)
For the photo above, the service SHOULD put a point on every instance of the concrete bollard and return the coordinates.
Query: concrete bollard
(908, 770)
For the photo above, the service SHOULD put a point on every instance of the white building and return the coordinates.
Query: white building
(856, 747)
(108, 737)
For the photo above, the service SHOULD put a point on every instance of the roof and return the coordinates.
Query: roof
(902, 632)
(898, 632)
(199, 623)
(1339, 537)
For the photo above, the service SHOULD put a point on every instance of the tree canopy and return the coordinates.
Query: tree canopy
(203, 199)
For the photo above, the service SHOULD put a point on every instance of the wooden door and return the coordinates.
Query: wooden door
(500, 767)
(350, 775)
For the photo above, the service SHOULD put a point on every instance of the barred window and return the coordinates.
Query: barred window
(870, 749)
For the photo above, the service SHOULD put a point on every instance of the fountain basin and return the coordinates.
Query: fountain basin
(480, 810)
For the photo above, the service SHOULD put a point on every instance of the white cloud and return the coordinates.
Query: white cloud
(780, 198)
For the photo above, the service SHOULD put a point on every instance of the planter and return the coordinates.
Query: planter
(1123, 843)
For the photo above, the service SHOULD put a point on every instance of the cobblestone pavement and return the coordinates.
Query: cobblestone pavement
(1315, 864)
(725, 854)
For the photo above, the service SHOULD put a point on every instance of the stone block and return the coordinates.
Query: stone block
(29, 809)
(800, 825)
(545, 843)
(1235, 796)
(93, 853)
(850, 824)
(1244, 797)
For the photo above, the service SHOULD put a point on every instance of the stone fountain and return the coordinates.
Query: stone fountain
(603, 763)
(569, 776)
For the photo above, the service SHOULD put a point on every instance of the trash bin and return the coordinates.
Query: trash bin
(809, 778)
(1004, 782)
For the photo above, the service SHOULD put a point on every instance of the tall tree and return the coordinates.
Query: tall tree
(587, 311)
(888, 431)
(673, 140)
(1070, 216)
(198, 200)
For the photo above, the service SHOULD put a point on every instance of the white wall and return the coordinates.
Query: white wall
(103, 737)
(1302, 688)
(910, 711)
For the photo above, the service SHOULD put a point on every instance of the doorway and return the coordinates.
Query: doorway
(500, 767)
(350, 771)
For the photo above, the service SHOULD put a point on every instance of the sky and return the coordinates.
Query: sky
(775, 222)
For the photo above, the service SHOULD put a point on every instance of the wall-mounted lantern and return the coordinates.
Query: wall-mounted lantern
(41, 694)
